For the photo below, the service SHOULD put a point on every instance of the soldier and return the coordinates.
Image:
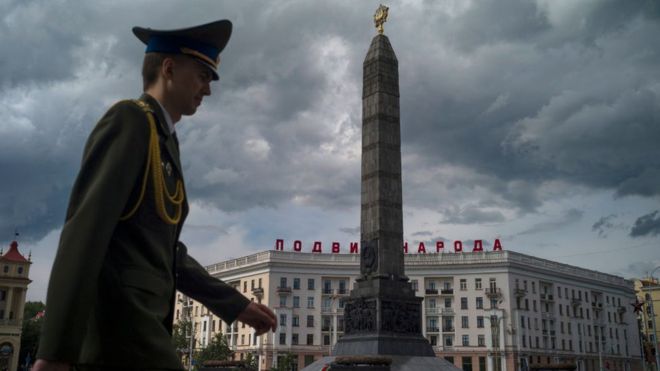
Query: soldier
(112, 288)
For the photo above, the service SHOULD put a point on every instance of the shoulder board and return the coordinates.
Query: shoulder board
(145, 107)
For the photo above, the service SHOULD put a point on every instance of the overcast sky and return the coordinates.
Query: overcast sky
(536, 122)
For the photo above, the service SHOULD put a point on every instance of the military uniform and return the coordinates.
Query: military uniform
(111, 293)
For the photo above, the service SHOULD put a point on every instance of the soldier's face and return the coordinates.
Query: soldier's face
(190, 83)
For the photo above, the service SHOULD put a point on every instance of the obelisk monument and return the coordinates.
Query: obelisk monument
(382, 316)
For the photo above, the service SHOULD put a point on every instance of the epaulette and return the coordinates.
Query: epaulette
(144, 105)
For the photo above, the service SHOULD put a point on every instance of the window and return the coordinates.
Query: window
(6, 269)
(309, 359)
(449, 341)
(482, 363)
(282, 338)
(465, 322)
(480, 303)
(294, 339)
(342, 287)
(477, 283)
(296, 301)
(464, 303)
(447, 302)
(431, 303)
(310, 321)
(20, 270)
(463, 284)
(310, 284)
(310, 339)
(310, 302)
(295, 321)
(252, 285)
(415, 285)
(259, 282)
(480, 321)
(296, 283)
(327, 287)
(282, 301)
(522, 321)
(481, 340)
(433, 340)
(559, 291)
(326, 339)
(244, 286)
(467, 361)
(283, 320)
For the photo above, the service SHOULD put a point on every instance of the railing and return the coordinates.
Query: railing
(576, 301)
(447, 311)
(447, 329)
(431, 291)
(519, 292)
(447, 291)
(432, 311)
(493, 292)
(327, 291)
(284, 290)
(432, 329)
(257, 291)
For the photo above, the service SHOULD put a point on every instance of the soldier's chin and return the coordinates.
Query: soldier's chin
(190, 111)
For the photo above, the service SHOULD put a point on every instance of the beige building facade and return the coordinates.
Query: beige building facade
(648, 293)
(484, 311)
(14, 280)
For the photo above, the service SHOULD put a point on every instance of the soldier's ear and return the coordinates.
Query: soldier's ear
(167, 68)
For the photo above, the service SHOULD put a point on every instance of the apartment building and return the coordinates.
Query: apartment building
(483, 311)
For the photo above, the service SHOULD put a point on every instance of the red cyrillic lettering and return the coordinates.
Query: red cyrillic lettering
(354, 248)
(317, 246)
(335, 247)
(279, 244)
(458, 246)
(297, 245)
(421, 249)
(405, 247)
(478, 246)
(439, 245)
(498, 245)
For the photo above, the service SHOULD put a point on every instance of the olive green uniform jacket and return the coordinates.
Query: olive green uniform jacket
(111, 292)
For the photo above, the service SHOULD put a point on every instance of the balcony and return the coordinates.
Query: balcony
(258, 292)
(447, 292)
(342, 291)
(446, 329)
(447, 311)
(493, 292)
(597, 306)
(576, 301)
(431, 291)
(327, 291)
(621, 309)
(519, 292)
(432, 311)
(432, 329)
(284, 290)
(548, 315)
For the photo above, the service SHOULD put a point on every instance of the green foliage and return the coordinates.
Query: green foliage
(216, 350)
(285, 363)
(180, 332)
(31, 330)
(252, 361)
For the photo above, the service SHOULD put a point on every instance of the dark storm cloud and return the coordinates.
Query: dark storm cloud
(502, 102)
(606, 223)
(471, 215)
(646, 225)
(570, 216)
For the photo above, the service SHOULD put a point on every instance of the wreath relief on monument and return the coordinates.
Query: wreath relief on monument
(369, 258)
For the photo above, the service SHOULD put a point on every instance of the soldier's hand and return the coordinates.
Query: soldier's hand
(260, 317)
(43, 365)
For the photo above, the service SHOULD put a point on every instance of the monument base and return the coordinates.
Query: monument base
(383, 344)
(399, 363)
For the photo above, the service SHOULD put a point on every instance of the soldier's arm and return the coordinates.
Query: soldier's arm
(114, 158)
(194, 281)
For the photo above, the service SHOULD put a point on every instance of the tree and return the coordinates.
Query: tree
(284, 363)
(252, 361)
(31, 329)
(216, 350)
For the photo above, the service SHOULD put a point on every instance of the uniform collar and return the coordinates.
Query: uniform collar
(168, 118)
